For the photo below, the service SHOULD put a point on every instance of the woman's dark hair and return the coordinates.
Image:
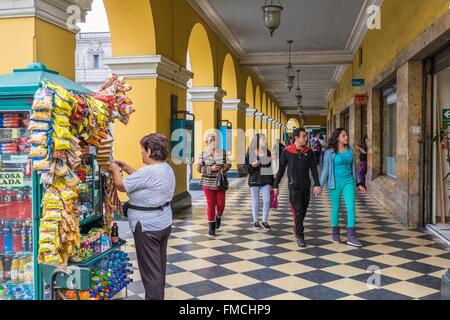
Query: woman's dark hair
(158, 144)
(333, 143)
(254, 145)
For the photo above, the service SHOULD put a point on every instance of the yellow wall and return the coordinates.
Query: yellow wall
(27, 40)
(401, 23)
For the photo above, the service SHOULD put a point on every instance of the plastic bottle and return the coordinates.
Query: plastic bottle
(2, 237)
(1, 272)
(22, 262)
(30, 235)
(8, 240)
(28, 274)
(7, 262)
(24, 235)
(15, 270)
(114, 234)
(17, 237)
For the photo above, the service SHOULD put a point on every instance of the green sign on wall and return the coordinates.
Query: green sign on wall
(446, 116)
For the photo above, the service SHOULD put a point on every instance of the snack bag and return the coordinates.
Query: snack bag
(61, 132)
(43, 100)
(61, 144)
(38, 125)
(51, 200)
(41, 115)
(51, 215)
(51, 237)
(61, 120)
(41, 165)
(39, 137)
(47, 247)
(38, 151)
(53, 258)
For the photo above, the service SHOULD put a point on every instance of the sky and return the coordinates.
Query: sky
(96, 20)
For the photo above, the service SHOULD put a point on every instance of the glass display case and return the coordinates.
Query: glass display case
(16, 208)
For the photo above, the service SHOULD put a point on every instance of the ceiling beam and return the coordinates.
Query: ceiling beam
(290, 103)
(277, 86)
(309, 58)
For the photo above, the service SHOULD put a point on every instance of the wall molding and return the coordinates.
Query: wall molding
(150, 67)
(234, 105)
(250, 112)
(259, 115)
(207, 94)
(52, 11)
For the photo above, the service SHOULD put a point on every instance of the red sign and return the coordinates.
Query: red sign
(361, 99)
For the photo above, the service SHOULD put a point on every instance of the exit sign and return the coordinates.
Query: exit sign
(358, 82)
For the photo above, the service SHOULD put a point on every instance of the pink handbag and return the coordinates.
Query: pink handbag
(273, 200)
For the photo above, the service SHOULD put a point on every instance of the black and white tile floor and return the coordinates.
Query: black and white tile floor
(244, 264)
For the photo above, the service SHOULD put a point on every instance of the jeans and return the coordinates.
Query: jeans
(265, 190)
(346, 188)
(216, 203)
(299, 200)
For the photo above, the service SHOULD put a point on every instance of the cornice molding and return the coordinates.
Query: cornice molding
(258, 116)
(234, 105)
(207, 94)
(250, 112)
(150, 67)
(310, 58)
(52, 11)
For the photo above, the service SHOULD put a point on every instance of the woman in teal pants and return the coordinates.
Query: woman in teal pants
(339, 172)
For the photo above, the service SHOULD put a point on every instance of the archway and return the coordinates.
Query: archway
(292, 124)
(201, 60)
(229, 83)
(250, 93)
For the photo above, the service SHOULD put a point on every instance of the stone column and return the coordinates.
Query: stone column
(234, 111)
(40, 31)
(207, 108)
(249, 126)
(258, 121)
(409, 135)
(264, 120)
(154, 79)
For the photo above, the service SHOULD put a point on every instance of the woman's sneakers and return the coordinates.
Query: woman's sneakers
(257, 225)
(351, 238)
(336, 234)
(266, 226)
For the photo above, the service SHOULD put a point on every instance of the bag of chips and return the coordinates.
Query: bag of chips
(61, 132)
(61, 120)
(39, 137)
(41, 115)
(51, 215)
(43, 100)
(41, 165)
(38, 125)
(38, 151)
(61, 144)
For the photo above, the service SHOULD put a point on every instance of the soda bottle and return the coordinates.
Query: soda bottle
(30, 235)
(28, 276)
(7, 239)
(2, 238)
(114, 234)
(7, 262)
(22, 262)
(1, 272)
(15, 270)
(17, 238)
(24, 235)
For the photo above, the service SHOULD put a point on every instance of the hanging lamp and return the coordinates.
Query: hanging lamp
(272, 15)
(290, 72)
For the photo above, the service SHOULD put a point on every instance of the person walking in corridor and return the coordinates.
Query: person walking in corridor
(212, 164)
(363, 162)
(258, 164)
(339, 172)
(150, 191)
(300, 161)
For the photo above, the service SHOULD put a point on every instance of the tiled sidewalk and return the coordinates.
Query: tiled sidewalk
(244, 264)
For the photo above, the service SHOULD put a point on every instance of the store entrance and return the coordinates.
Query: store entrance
(440, 215)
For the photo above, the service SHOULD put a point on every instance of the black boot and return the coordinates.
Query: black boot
(218, 221)
(212, 228)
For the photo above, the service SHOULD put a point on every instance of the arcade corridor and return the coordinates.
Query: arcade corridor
(244, 264)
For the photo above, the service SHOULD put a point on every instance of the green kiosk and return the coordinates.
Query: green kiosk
(20, 194)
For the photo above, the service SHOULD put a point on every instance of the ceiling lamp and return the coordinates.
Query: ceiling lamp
(298, 91)
(272, 15)
(290, 72)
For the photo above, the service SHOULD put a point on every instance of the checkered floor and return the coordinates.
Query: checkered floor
(245, 264)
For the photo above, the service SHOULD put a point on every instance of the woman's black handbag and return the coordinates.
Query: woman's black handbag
(223, 181)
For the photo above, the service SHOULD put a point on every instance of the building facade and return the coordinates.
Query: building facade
(405, 66)
(91, 49)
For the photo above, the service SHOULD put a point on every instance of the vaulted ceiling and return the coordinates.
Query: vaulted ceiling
(325, 33)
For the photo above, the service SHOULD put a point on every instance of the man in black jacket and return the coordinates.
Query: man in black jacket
(300, 160)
